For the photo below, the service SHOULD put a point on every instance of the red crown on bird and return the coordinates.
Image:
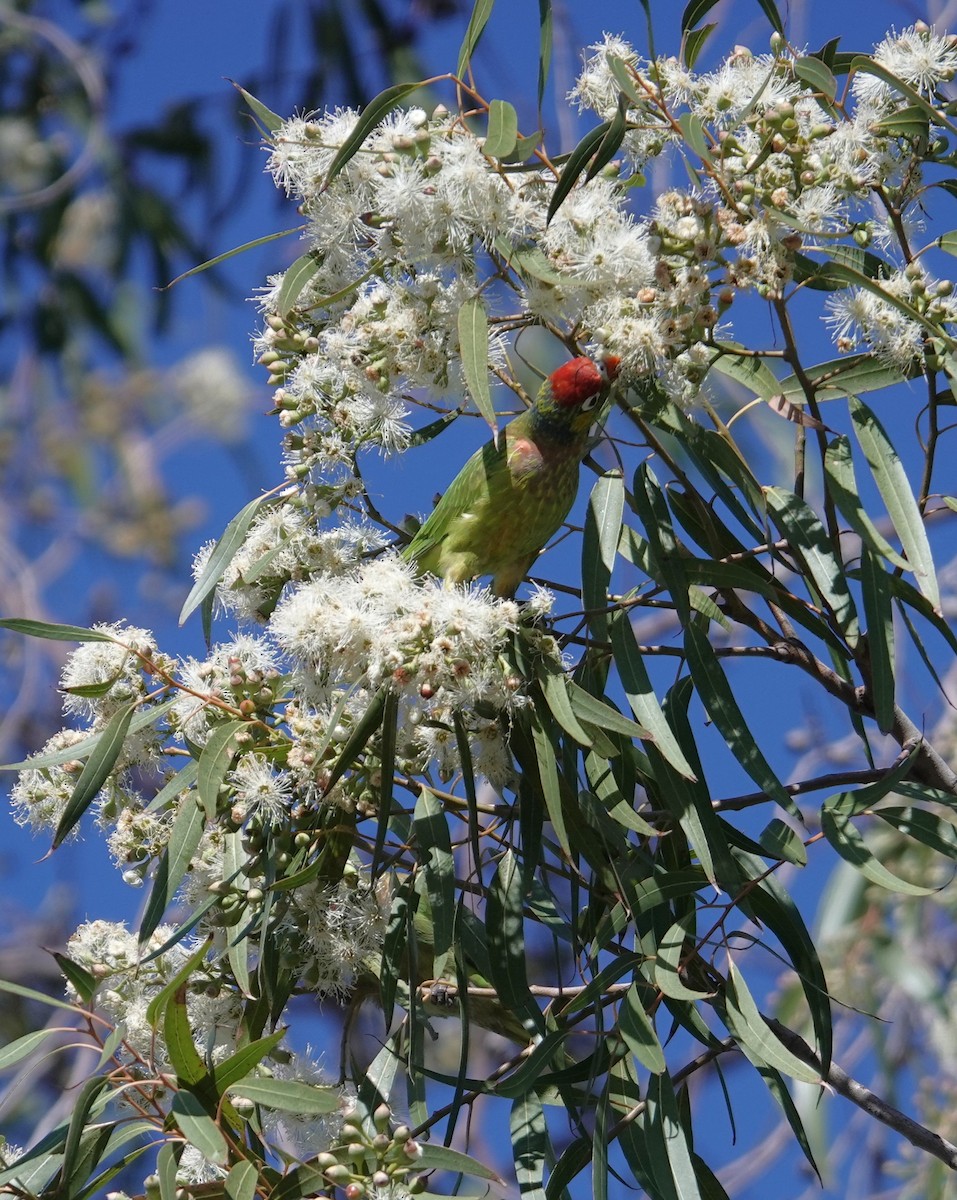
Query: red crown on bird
(581, 378)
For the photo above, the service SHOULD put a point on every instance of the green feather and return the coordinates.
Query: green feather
(508, 499)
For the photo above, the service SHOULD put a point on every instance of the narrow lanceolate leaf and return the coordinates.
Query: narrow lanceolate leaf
(641, 695)
(295, 280)
(222, 555)
(868, 66)
(434, 849)
(596, 712)
(719, 699)
(214, 761)
(575, 165)
(505, 929)
(600, 546)
(549, 778)
(808, 540)
(530, 1145)
(636, 1028)
(842, 485)
(443, 1158)
(185, 836)
(751, 371)
(755, 1037)
(670, 962)
(926, 827)
(894, 487)
(370, 116)
(666, 1136)
(879, 614)
(95, 772)
(270, 121)
(183, 1054)
(837, 826)
(554, 684)
(693, 13)
(781, 841)
(57, 633)
(23, 1047)
(288, 1095)
(481, 11)
(502, 130)
(473, 346)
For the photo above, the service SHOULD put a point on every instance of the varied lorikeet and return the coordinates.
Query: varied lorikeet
(512, 496)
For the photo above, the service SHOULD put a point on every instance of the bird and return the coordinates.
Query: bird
(515, 491)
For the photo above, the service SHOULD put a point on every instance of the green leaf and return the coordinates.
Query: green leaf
(529, 261)
(926, 827)
(816, 75)
(554, 684)
(751, 371)
(600, 547)
(85, 1102)
(57, 633)
(842, 377)
(869, 66)
(948, 241)
(879, 614)
(288, 1095)
(836, 818)
(664, 1129)
(223, 553)
(530, 1144)
(166, 1166)
(23, 1047)
(502, 130)
(363, 730)
(910, 121)
(544, 47)
(894, 487)
(719, 699)
(549, 778)
(295, 280)
(377, 108)
(673, 948)
(755, 1037)
(157, 1006)
(693, 13)
(96, 771)
(842, 485)
(694, 43)
(596, 712)
(781, 841)
(241, 1182)
(808, 540)
(575, 165)
(641, 695)
(185, 836)
(505, 930)
(198, 1127)
(473, 346)
(694, 134)
(434, 850)
(269, 120)
(183, 1054)
(444, 1158)
(215, 760)
(227, 254)
(772, 14)
(83, 981)
(481, 11)
(636, 1027)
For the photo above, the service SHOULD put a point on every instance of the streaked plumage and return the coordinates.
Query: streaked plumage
(510, 498)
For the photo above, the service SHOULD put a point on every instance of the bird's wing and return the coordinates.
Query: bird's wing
(467, 491)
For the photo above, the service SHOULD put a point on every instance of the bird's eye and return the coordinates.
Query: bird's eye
(590, 402)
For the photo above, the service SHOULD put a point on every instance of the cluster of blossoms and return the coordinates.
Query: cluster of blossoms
(420, 219)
